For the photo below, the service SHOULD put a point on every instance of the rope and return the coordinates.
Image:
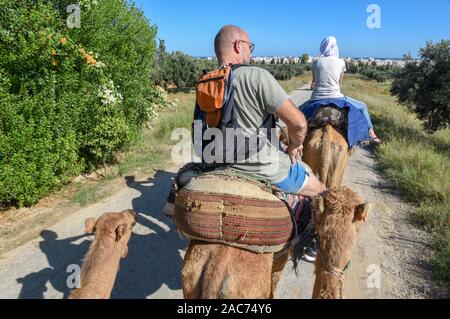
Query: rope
(333, 270)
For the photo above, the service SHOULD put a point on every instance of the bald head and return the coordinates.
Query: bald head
(225, 45)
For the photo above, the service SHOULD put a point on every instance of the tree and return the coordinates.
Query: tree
(162, 46)
(352, 67)
(424, 86)
(305, 58)
(407, 56)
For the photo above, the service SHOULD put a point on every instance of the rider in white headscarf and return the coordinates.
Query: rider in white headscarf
(328, 73)
(329, 47)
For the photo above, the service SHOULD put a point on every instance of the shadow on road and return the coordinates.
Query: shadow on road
(153, 260)
(60, 253)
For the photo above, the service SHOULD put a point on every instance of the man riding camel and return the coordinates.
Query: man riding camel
(257, 95)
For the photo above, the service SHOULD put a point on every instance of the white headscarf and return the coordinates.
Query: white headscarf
(329, 47)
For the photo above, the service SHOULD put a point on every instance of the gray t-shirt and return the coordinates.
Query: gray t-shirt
(327, 74)
(257, 95)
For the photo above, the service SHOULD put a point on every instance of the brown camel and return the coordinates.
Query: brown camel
(338, 216)
(215, 271)
(326, 151)
(101, 263)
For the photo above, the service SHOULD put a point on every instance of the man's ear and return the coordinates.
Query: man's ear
(89, 225)
(362, 212)
(237, 47)
(318, 209)
(120, 231)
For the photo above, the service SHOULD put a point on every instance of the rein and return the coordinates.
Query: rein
(340, 274)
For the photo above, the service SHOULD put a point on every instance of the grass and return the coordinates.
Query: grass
(296, 82)
(415, 161)
(177, 117)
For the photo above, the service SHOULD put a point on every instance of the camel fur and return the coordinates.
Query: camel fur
(101, 263)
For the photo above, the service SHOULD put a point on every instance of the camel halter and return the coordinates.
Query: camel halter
(324, 258)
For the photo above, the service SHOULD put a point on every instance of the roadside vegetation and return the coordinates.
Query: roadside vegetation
(416, 161)
(70, 98)
(372, 71)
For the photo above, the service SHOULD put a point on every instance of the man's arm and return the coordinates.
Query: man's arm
(297, 128)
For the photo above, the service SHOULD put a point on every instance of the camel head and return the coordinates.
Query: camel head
(339, 214)
(116, 227)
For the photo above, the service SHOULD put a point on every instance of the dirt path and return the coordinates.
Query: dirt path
(389, 242)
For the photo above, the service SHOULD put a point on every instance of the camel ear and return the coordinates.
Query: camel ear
(120, 231)
(319, 209)
(362, 212)
(89, 225)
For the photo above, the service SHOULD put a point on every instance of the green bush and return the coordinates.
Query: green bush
(179, 69)
(284, 71)
(380, 73)
(69, 98)
(424, 86)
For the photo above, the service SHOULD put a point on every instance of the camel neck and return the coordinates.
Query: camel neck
(331, 286)
(100, 266)
(329, 282)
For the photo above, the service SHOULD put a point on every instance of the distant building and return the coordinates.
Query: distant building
(358, 61)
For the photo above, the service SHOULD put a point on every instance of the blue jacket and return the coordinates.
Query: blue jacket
(358, 128)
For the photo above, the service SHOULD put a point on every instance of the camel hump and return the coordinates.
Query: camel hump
(328, 128)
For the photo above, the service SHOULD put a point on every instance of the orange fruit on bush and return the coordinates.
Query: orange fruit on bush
(90, 59)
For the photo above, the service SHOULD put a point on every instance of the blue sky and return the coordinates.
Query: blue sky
(289, 27)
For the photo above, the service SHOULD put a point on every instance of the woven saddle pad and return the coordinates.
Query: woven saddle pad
(330, 115)
(234, 212)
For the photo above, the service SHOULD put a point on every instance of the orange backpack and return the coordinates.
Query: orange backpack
(215, 109)
(210, 94)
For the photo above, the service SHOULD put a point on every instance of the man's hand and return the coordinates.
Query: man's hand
(295, 153)
(297, 127)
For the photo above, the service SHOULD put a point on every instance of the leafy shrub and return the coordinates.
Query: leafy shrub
(424, 86)
(69, 98)
(284, 71)
(179, 69)
(380, 73)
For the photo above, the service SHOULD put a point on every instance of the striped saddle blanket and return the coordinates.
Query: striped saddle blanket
(239, 213)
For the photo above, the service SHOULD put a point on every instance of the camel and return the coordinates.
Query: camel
(326, 151)
(338, 215)
(101, 263)
(216, 271)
